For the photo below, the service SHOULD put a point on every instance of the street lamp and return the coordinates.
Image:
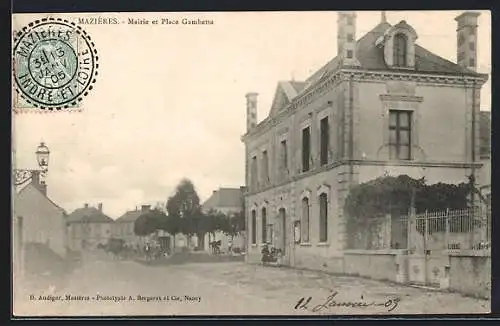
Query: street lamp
(42, 153)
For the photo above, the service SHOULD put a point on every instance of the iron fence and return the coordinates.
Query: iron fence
(468, 229)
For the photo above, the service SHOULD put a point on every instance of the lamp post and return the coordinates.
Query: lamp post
(20, 177)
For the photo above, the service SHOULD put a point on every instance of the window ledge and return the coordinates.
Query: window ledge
(254, 245)
(323, 244)
(305, 244)
(402, 97)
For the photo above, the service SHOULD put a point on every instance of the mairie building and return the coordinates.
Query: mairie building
(383, 105)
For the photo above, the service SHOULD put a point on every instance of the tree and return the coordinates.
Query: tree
(395, 196)
(184, 210)
(234, 224)
(170, 224)
(115, 245)
(148, 222)
(213, 221)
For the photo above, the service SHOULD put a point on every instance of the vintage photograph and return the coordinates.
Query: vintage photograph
(313, 163)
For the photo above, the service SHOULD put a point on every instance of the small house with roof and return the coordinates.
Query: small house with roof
(123, 227)
(37, 219)
(228, 201)
(87, 227)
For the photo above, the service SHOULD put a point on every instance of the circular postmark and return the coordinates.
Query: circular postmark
(54, 64)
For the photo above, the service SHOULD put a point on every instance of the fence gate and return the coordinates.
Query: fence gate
(432, 235)
(427, 258)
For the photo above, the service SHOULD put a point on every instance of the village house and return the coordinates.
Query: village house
(228, 201)
(88, 227)
(383, 105)
(123, 227)
(37, 219)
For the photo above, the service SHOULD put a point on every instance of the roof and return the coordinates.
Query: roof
(130, 216)
(224, 197)
(285, 92)
(31, 186)
(90, 215)
(485, 133)
(371, 57)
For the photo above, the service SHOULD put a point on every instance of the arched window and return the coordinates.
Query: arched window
(305, 220)
(254, 227)
(264, 225)
(400, 43)
(323, 217)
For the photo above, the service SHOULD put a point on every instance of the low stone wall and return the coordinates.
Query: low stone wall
(377, 264)
(470, 273)
(313, 261)
(253, 255)
(467, 272)
(304, 258)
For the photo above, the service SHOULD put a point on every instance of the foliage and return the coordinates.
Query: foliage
(184, 210)
(395, 195)
(236, 224)
(149, 222)
(214, 221)
(185, 202)
(115, 245)
(171, 224)
(184, 215)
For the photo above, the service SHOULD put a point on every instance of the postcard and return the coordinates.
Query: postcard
(313, 163)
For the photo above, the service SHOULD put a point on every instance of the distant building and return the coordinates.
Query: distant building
(37, 219)
(88, 227)
(228, 201)
(123, 227)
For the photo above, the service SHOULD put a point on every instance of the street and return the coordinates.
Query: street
(106, 287)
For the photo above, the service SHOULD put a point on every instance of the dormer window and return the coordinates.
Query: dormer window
(400, 46)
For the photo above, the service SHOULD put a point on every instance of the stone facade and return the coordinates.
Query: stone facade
(443, 105)
(38, 220)
(88, 235)
(87, 227)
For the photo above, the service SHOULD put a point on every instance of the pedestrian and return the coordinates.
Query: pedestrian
(265, 254)
(230, 247)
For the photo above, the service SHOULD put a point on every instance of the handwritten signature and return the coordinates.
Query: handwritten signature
(330, 302)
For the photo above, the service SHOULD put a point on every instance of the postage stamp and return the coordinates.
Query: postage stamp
(54, 64)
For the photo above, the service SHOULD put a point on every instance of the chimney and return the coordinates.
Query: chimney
(145, 208)
(43, 188)
(346, 38)
(251, 110)
(467, 39)
(99, 207)
(38, 183)
(85, 205)
(383, 17)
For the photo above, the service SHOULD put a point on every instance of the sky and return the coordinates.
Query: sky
(169, 101)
